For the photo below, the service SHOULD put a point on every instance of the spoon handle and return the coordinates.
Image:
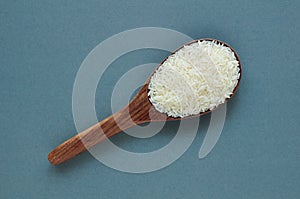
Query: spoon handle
(86, 139)
(138, 111)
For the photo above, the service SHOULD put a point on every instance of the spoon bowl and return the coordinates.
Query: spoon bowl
(138, 111)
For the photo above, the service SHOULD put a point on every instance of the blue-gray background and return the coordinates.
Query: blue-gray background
(42, 46)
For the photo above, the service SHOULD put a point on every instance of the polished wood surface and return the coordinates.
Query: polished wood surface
(138, 111)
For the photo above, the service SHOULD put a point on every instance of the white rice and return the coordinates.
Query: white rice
(197, 78)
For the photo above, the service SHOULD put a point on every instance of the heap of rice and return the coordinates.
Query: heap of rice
(197, 78)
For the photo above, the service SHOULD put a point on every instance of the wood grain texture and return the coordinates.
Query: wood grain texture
(138, 111)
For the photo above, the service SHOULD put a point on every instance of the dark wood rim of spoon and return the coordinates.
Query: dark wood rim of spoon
(208, 111)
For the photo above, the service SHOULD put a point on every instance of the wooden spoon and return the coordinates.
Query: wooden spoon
(138, 111)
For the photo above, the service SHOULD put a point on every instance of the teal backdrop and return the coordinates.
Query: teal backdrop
(42, 45)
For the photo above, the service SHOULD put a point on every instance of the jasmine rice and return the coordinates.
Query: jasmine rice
(197, 78)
